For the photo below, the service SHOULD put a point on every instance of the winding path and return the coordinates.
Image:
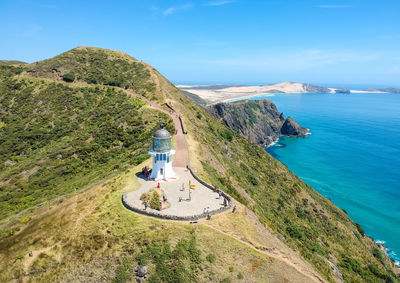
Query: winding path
(274, 253)
(182, 152)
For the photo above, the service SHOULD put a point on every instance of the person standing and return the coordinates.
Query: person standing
(145, 205)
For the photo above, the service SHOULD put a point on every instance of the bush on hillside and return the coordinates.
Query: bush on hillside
(69, 77)
(226, 134)
(154, 200)
(360, 229)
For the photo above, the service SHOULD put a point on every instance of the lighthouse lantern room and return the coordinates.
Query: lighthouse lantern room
(162, 153)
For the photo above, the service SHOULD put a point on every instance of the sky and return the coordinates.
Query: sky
(219, 41)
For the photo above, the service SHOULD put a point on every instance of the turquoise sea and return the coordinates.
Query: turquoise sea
(352, 155)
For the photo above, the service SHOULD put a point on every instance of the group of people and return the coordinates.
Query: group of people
(146, 171)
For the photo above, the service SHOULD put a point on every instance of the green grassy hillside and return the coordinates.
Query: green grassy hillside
(11, 62)
(63, 133)
(96, 66)
(57, 138)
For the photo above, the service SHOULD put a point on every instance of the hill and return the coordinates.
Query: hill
(84, 142)
(11, 62)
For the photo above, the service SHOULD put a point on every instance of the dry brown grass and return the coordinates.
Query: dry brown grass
(83, 238)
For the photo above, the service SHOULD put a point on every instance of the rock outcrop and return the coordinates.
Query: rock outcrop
(258, 120)
(291, 128)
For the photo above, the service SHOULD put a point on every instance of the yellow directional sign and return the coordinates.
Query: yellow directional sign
(192, 187)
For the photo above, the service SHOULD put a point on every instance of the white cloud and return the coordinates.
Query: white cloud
(172, 10)
(334, 6)
(220, 3)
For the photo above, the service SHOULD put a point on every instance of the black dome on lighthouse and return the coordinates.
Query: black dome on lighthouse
(162, 134)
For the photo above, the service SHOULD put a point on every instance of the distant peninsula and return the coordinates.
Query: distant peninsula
(212, 94)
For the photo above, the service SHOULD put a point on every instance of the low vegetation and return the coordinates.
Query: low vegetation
(58, 137)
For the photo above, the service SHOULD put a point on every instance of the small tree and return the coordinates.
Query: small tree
(155, 200)
(69, 77)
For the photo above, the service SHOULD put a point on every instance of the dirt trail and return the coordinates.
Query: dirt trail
(182, 152)
(181, 160)
(273, 253)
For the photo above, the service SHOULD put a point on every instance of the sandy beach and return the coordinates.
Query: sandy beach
(218, 93)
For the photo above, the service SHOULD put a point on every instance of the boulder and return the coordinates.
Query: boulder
(291, 128)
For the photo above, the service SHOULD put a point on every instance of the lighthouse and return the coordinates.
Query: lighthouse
(162, 153)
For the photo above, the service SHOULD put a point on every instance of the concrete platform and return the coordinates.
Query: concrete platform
(201, 197)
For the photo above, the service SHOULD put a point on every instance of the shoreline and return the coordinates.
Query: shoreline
(228, 94)
(214, 94)
(380, 243)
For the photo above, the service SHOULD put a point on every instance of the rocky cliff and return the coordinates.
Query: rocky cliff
(258, 120)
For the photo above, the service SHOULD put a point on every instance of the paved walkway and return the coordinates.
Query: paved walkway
(201, 197)
(182, 152)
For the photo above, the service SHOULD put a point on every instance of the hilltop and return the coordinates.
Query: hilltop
(72, 141)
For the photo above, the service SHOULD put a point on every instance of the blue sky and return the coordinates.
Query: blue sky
(219, 41)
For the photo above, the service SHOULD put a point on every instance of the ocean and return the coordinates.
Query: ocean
(352, 155)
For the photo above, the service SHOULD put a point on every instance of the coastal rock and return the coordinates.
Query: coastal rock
(309, 88)
(342, 90)
(258, 120)
(336, 271)
(388, 90)
(291, 128)
(141, 272)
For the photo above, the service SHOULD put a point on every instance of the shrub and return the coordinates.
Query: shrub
(114, 82)
(351, 264)
(226, 134)
(140, 158)
(295, 232)
(211, 258)
(123, 271)
(155, 200)
(24, 219)
(378, 255)
(360, 229)
(199, 115)
(253, 180)
(69, 77)
(180, 264)
(240, 276)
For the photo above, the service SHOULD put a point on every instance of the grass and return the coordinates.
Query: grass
(96, 66)
(105, 242)
(56, 138)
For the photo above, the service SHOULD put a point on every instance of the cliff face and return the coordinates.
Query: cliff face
(258, 120)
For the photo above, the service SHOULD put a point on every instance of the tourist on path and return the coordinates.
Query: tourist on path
(225, 202)
(145, 205)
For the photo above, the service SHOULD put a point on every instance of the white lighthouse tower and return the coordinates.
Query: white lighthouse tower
(162, 155)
